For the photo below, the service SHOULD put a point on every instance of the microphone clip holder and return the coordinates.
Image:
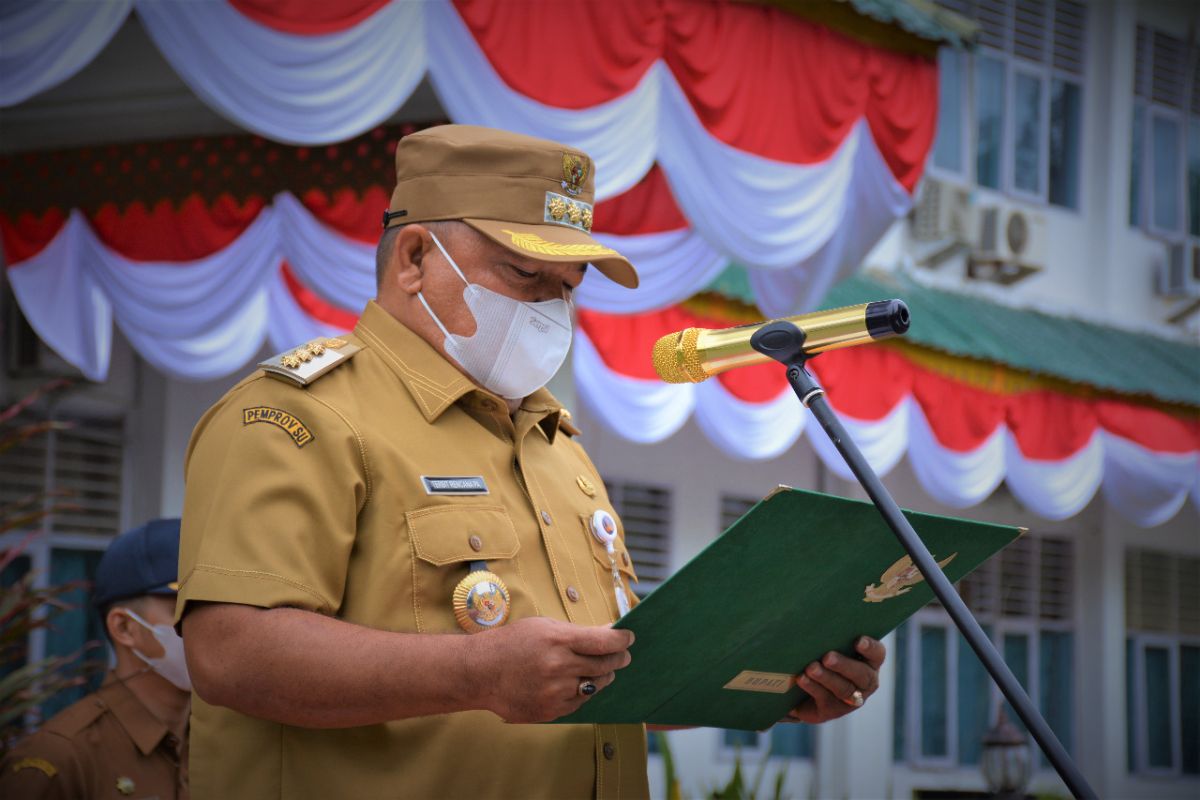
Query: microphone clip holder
(784, 342)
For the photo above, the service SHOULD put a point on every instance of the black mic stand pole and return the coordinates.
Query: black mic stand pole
(784, 342)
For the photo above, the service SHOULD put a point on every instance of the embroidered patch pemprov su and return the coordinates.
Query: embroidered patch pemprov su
(296, 429)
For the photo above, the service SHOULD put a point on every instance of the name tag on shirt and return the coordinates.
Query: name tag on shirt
(452, 484)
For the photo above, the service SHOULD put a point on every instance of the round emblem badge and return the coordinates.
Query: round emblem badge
(604, 527)
(481, 601)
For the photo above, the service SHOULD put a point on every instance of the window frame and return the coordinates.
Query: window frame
(1046, 73)
(1172, 644)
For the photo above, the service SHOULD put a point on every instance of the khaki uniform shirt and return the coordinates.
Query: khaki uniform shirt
(322, 507)
(107, 745)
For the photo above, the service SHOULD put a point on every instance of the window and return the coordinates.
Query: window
(1026, 114)
(1162, 663)
(1164, 175)
(83, 463)
(732, 509)
(945, 700)
(645, 512)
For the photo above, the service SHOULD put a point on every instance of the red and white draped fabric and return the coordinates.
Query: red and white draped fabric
(789, 148)
(723, 133)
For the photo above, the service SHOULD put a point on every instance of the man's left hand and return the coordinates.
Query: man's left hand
(838, 684)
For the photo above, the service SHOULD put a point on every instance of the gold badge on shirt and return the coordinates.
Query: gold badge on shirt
(480, 601)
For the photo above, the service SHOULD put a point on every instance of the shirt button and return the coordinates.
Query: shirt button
(476, 543)
(546, 518)
(572, 594)
(610, 752)
(625, 559)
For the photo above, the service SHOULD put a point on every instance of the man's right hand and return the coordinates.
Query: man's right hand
(531, 669)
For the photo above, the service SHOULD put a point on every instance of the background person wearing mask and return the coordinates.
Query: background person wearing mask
(129, 738)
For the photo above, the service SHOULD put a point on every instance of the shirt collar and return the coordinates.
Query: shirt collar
(146, 730)
(434, 383)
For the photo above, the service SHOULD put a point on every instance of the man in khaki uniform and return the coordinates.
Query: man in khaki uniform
(359, 504)
(129, 738)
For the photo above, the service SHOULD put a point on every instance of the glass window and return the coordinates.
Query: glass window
(792, 739)
(1016, 655)
(973, 698)
(76, 627)
(934, 686)
(1027, 133)
(947, 147)
(1193, 176)
(1065, 127)
(1135, 166)
(1131, 726)
(15, 654)
(1165, 172)
(1055, 656)
(989, 115)
(1157, 683)
(1189, 708)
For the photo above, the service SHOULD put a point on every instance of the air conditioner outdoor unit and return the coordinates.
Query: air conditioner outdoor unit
(1011, 245)
(942, 213)
(1178, 275)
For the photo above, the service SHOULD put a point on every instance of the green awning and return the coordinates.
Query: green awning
(1062, 347)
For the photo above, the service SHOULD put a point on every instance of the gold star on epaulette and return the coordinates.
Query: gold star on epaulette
(306, 363)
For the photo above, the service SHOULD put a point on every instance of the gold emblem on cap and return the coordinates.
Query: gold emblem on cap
(480, 601)
(536, 244)
(575, 172)
(587, 220)
(556, 206)
(586, 486)
(126, 786)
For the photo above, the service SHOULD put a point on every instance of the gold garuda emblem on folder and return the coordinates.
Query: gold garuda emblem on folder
(899, 579)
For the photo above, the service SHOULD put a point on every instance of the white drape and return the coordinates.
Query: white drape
(295, 89)
(43, 44)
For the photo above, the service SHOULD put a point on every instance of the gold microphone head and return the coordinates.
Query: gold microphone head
(675, 357)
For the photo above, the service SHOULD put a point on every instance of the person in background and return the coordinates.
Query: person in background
(129, 738)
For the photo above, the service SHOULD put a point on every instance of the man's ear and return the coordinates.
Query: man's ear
(120, 627)
(412, 244)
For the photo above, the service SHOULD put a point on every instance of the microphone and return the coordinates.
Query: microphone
(696, 354)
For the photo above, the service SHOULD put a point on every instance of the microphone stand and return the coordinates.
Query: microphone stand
(784, 342)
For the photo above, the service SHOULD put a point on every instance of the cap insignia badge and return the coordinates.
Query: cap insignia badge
(899, 579)
(575, 172)
(481, 601)
(565, 211)
(533, 243)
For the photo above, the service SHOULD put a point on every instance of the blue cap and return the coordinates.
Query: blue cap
(142, 561)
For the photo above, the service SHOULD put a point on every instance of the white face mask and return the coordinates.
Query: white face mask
(517, 346)
(171, 665)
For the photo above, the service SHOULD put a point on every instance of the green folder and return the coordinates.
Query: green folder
(800, 574)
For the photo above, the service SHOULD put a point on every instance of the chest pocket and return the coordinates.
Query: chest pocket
(603, 566)
(444, 540)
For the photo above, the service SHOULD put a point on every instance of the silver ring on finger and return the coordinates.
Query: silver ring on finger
(587, 688)
(855, 700)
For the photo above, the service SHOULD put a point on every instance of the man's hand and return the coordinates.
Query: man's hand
(838, 684)
(530, 670)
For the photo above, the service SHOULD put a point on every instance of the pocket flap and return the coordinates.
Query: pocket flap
(453, 533)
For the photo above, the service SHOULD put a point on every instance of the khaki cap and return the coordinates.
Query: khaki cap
(532, 196)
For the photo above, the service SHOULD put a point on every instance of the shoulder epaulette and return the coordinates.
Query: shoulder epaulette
(77, 716)
(565, 424)
(306, 363)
